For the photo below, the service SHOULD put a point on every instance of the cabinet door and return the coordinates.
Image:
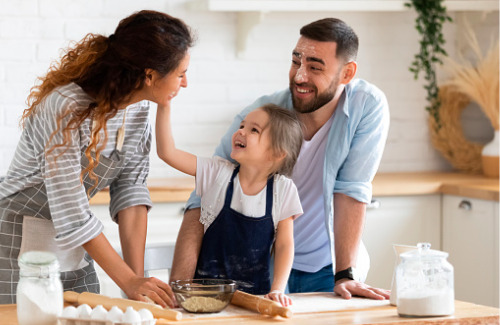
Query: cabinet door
(470, 236)
(164, 221)
(404, 220)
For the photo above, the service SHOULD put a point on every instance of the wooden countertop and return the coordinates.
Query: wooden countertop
(385, 184)
(421, 183)
(465, 313)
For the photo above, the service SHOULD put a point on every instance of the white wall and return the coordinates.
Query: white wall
(220, 83)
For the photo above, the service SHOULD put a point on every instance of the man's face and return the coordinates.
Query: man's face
(314, 74)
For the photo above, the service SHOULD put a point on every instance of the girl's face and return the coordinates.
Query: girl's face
(251, 144)
(163, 89)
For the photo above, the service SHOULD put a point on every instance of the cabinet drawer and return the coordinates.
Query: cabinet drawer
(470, 236)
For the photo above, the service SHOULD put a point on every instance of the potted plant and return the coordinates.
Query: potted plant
(431, 15)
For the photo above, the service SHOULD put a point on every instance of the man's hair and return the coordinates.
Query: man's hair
(286, 136)
(334, 30)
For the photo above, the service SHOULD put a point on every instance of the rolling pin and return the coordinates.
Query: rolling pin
(94, 299)
(259, 304)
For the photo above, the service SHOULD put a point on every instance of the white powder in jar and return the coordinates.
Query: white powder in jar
(440, 304)
(203, 304)
(37, 306)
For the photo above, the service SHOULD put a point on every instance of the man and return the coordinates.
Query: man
(345, 127)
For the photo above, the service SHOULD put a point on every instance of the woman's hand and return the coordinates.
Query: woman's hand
(135, 287)
(279, 296)
(151, 289)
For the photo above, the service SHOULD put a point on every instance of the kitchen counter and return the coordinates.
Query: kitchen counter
(421, 183)
(385, 184)
(465, 313)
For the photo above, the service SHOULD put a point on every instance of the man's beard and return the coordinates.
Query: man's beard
(318, 101)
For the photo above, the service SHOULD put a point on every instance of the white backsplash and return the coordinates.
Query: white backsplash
(221, 83)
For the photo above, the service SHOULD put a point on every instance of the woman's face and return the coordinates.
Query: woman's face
(163, 89)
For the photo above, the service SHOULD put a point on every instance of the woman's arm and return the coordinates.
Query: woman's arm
(165, 145)
(132, 224)
(284, 251)
(135, 287)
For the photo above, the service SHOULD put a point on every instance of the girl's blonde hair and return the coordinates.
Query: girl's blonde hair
(286, 136)
(110, 69)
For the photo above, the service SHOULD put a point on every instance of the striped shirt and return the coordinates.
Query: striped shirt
(35, 186)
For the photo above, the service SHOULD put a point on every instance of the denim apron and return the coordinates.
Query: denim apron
(238, 247)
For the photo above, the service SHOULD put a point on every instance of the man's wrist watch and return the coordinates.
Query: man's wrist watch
(349, 273)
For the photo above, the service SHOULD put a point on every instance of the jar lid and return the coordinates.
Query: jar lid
(38, 263)
(424, 251)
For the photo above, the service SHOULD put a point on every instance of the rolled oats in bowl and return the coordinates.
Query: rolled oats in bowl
(203, 295)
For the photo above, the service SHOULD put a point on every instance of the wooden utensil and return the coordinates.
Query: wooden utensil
(94, 299)
(259, 304)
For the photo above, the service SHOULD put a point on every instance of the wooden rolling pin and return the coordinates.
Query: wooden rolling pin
(94, 299)
(259, 304)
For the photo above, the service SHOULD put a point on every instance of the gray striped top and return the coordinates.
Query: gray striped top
(34, 187)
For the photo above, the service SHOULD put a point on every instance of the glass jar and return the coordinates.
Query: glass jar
(425, 283)
(39, 291)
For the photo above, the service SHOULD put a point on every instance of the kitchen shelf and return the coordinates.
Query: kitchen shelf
(251, 12)
(335, 5)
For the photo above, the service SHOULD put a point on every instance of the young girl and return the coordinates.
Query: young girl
(248, 206)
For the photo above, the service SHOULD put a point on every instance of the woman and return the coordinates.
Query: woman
(86, 128)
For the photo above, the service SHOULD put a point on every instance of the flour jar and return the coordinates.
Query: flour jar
(39, 291)
(425, 283)
(398, 249)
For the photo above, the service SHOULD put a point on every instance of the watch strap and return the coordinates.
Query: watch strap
(345, 274)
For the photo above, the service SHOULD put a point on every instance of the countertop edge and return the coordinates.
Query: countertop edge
(170, 190)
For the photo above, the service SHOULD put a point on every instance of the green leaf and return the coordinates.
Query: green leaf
(431, 15)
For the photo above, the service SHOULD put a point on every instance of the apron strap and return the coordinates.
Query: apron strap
(269, 192)
(269, 196)
(120, 135)
(230, 187)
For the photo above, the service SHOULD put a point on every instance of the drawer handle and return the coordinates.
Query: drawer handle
(374, 204)
(465, 205)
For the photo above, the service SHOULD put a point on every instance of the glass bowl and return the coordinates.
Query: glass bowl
(203, 295)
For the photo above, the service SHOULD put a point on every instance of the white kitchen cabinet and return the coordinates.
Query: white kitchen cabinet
(404, 220)
(470, 236)
(164, 221)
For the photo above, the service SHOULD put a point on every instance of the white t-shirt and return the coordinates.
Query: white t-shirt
(312, 246)
(212, 178)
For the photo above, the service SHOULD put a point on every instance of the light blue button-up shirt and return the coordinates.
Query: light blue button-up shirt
(353, 151)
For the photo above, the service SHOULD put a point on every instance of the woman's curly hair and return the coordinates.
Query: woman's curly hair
(111, 69)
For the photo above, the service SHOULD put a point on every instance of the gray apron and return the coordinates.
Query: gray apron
(78, 273)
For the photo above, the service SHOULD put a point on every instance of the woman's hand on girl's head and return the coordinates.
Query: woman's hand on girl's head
(279, 296)
(151, 289)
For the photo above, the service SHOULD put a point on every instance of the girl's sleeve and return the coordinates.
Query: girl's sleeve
(209, 171)
(290, 200)
(130, 188)
(73, 221)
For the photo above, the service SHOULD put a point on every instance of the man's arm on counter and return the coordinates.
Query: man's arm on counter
(348, 229)
(187, 247)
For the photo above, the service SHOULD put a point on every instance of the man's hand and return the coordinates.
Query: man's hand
(347, 288)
